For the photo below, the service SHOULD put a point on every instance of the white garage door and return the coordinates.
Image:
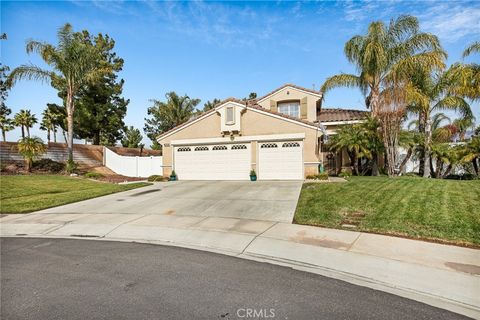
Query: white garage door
(213, 162)
(280, 160)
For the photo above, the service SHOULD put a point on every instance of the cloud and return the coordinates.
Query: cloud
(452, 22)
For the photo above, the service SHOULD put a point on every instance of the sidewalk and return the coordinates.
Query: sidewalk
(440, 275)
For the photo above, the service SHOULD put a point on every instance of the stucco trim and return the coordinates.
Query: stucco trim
(291, 86)
(333, 123)
(269, 137)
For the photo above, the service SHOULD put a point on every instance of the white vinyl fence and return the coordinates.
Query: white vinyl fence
(132, 166)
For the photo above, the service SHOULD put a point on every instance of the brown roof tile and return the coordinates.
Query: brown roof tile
(330, 115)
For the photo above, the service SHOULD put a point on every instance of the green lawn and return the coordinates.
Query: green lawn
(19, 194)
(406, 206)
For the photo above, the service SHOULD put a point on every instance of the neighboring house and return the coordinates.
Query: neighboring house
(277, 135)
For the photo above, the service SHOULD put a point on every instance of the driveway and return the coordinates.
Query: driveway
(262, 200)
(75, 279)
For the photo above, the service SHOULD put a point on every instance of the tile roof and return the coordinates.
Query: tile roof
(337, 114)
(289, 85)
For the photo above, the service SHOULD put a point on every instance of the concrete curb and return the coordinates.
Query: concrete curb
(424, 297)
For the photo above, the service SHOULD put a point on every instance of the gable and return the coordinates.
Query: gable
(254, 121)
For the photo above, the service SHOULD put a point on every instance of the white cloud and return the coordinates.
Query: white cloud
(452, 22)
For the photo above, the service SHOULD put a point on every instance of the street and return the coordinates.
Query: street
(82, 279)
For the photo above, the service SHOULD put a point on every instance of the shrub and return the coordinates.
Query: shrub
(173, 174)
(311, 177)
(345, 174)
(155, 178)
(31, 149)
(93, 175)
(253, 173)
(48, 165)
(322, 176)
(71, 166)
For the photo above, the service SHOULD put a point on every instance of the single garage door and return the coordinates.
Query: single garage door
(213, 162)
(280, 160)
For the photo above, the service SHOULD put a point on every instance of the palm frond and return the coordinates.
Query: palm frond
(454, 103)
(341, 80)
(29, 72)
(473, 48)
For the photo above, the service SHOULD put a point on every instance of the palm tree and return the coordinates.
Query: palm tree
(430, 93)
(386, 52)
(30, 149)
(209, 105)
(471, 152)
(25, 120)
(355, 141)
(74, 64)
(462, 126)
(49, 123)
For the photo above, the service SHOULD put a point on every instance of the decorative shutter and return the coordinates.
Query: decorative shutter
(273, 105)
(303, 108)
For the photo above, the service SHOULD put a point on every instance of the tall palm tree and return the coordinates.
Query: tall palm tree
(431, 93)
(471, 152)
(73, 62)
(49, 123)
(30, 149)
(386, 52)
(25, 120)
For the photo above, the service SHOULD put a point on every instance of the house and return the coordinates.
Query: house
(277, 135)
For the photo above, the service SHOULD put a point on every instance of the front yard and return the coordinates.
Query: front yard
(441, 210)
(19, 194)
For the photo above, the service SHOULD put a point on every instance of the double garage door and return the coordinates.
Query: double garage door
(276, 161)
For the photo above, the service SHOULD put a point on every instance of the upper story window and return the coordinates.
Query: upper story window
(291, 108)
(230, 115)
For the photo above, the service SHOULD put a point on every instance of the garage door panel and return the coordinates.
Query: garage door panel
(213, 162)
(281, 160)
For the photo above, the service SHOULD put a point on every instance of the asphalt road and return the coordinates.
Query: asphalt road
(81, 279)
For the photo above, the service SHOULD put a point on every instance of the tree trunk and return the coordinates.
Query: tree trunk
(374, 101)
(28, 165)
(4, 136)
(64, 136)
(404, 162)
(375, 171)
(96, 138)
(421, 130)
(28, 131)
(48, 135)
(355, 164)
(54, 134)
(432, 168)
(447, 172)
(70, 108)
(428, 137)
(23, 132)
(438, 168)
(475, 165)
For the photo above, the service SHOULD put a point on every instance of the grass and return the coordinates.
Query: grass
(20, 194)
(431, 209)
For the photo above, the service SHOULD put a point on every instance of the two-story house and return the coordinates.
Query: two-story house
(278, 135)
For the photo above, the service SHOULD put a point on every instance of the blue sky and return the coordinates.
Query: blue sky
(221, 49)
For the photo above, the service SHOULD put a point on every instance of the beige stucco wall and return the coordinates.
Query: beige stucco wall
(289, 93)
(253, 123)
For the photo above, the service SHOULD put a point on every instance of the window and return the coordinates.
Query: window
(291, 108)
(239, 146)
(184, 149)
(291, 145)
(201, 148)
(230, 115)
(219, 148)
(268, 145)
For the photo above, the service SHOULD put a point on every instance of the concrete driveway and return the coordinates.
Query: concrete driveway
(262, 200)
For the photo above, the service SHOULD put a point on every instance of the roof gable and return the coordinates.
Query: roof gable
(292, 87)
